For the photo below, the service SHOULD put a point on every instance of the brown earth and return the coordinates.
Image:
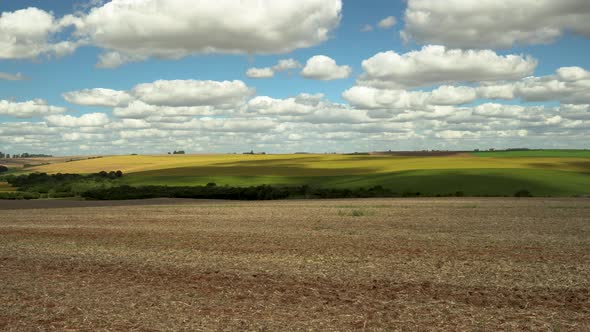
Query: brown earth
(338, 265)
(69, 203)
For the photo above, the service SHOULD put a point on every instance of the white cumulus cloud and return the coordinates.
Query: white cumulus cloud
(86, 120)
(268, 72)
(132, 30)
(98, 97)
(286, 64)
(27, 34)
(435, 65)
(494, 23)
(387, 23)
(226, 94)
(321, 67)
(260, 72)
(27, 109)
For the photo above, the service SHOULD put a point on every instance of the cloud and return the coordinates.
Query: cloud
(98, 97)
(569, 85)
(238, 125)
(260, 72)
(169, 100)
(371, 98)
(286, 64)
(403, 100)
(367, 28)
(75, 136)
(23, 129)
(575, 112)
(494, 23)
(224, 95)
(227, 117)
(499, 111)
(110, 60)
(176, 98)
(387, 23)
(321, 67)
(306, 108)
(142, 29)
(140, 110)
(452, 95)
(12, 77)
(86, 120)
(436, 65)
(28, 109)
(130, 124)
(26, 34)
(268, 72)
(300, 105)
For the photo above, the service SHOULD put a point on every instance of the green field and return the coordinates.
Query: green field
(543, 173)
(536, 153)
(431, 182)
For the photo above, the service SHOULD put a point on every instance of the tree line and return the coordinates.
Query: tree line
(23, 155)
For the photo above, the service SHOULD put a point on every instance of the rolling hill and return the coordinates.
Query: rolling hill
(544, 173)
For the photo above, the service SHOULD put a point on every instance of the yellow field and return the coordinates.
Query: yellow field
(307, 165)
(5, 187)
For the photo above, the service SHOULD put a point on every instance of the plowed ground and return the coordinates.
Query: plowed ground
(339, 265)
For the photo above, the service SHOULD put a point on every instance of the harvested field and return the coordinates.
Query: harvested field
(338, 265)
(66, 203)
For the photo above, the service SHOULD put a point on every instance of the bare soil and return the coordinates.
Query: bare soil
(339, 265)
(68, 203)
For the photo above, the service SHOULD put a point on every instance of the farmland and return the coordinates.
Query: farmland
(5, 187)
(544, 173)
(378, 264)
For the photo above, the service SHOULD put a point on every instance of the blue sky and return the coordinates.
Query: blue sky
(375, 124)
(50, 78)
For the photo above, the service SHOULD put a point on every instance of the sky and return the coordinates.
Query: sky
(223, 76)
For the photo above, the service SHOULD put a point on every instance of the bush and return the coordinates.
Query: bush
(3, 169)
(211, 191)
(19, 195)
(62, 185)
(523, 193)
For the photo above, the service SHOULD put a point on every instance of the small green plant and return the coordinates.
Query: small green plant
(355, 213)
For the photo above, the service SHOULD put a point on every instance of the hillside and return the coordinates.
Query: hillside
(487, 173)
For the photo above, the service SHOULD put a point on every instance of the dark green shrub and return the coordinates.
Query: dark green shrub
(19, 195)
(523, 193)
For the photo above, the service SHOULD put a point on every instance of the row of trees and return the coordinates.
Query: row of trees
(23, 155)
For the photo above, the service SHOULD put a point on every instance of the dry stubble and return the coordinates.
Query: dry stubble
(379, 264)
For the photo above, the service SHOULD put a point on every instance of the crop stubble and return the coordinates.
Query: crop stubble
(376, 264)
